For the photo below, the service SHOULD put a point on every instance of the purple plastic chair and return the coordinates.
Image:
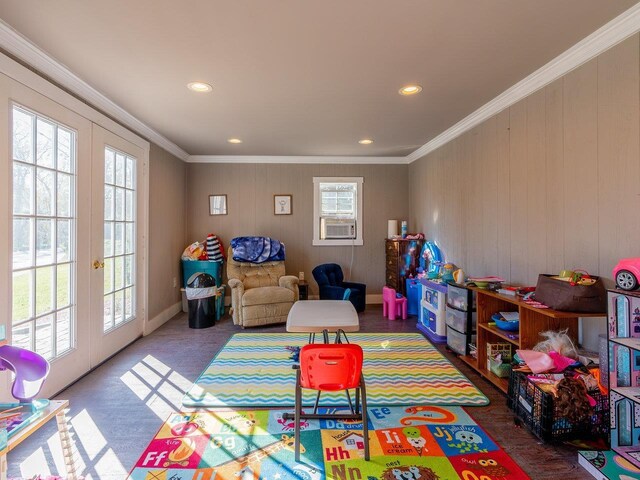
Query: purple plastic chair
(30, 368)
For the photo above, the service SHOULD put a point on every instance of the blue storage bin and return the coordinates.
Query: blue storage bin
(220, 303)
(190, 267)
(414, 292)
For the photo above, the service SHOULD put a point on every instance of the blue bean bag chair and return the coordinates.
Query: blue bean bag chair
(332, 285)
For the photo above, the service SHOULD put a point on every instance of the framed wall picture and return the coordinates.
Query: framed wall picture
(217, 204)
(282, 204)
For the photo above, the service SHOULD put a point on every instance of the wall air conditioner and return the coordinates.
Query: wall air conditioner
(336, 228)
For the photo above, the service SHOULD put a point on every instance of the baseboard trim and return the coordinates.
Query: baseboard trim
(374, 299)
(164, 316)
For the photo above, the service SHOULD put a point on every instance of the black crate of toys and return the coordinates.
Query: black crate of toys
(536, 409)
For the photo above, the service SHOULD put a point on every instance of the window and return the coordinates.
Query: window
(44, 226)
(337, 211)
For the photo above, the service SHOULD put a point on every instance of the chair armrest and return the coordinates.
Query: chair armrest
(288, 281)
(237, 291)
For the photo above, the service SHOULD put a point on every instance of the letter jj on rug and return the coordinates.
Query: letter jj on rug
(254, 370)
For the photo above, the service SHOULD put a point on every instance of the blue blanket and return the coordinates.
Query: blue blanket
(257, 249)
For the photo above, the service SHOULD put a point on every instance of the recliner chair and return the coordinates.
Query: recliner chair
(261, 293)
(332, 285)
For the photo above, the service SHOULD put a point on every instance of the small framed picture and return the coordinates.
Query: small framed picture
(282, 205)
(217, 204)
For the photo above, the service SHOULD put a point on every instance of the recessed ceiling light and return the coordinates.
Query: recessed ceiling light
(200, 87)
(410, 90)
(365, 141)
(234, 140)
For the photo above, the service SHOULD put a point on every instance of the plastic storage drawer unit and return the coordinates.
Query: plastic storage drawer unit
(458, 342)
(458, 297)
(458, 320)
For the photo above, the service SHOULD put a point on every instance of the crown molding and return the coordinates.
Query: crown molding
(609, 35)
(26, 51)
(302, 159)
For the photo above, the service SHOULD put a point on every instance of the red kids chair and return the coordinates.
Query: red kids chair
(331, 368)
(393, 306)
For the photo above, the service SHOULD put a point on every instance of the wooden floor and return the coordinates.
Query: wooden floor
(118, 407)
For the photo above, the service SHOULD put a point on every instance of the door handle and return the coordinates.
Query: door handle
(97, 264)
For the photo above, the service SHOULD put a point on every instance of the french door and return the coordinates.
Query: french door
(117, 293)
(48, 230)
(72, 235)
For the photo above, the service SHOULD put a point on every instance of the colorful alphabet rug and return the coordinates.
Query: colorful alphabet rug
(425, 443)
(254, 370)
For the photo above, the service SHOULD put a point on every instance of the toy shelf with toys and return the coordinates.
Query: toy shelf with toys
(532, 322)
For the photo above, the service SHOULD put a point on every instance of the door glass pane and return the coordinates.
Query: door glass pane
(108, 275)
(108, 239)
(44, 336)
(108, 312)
(63, 330)
(22, 244)
(120, 166)
(43, 308)
(45, 143)
(64, 195)
(22, 336)
(108, 202)
(44, 290)
(63, 241)
(64, 150)
(22, 136)
(63, 285)
(118, 307)
(44, 241)
(22, 307)
(22, 189)
(119, 238)
(45, 191)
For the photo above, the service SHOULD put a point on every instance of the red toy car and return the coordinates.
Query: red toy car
(627, 273)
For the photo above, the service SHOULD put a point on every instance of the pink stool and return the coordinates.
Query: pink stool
(393, 306)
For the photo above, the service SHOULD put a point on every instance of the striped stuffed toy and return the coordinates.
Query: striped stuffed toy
(214, 248)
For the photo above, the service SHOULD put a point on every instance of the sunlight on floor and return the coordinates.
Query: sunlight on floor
(90, 451)
(35, 464)
(156, 384)
(152, 382)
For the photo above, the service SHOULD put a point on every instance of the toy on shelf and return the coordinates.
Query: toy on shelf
(627, 273)
(30, 369)
(431, 259)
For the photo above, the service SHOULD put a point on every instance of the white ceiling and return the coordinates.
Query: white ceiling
(302, 77)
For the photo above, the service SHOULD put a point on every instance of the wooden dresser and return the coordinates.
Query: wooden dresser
(402, 259)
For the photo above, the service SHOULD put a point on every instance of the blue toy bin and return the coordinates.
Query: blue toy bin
(502, 324)
(189, 267)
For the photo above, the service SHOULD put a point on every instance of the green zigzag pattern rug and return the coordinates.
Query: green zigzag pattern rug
(411, 443)
(254, 370)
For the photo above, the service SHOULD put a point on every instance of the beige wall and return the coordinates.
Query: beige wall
(551, 183)
(250, 189)
(167, 227)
